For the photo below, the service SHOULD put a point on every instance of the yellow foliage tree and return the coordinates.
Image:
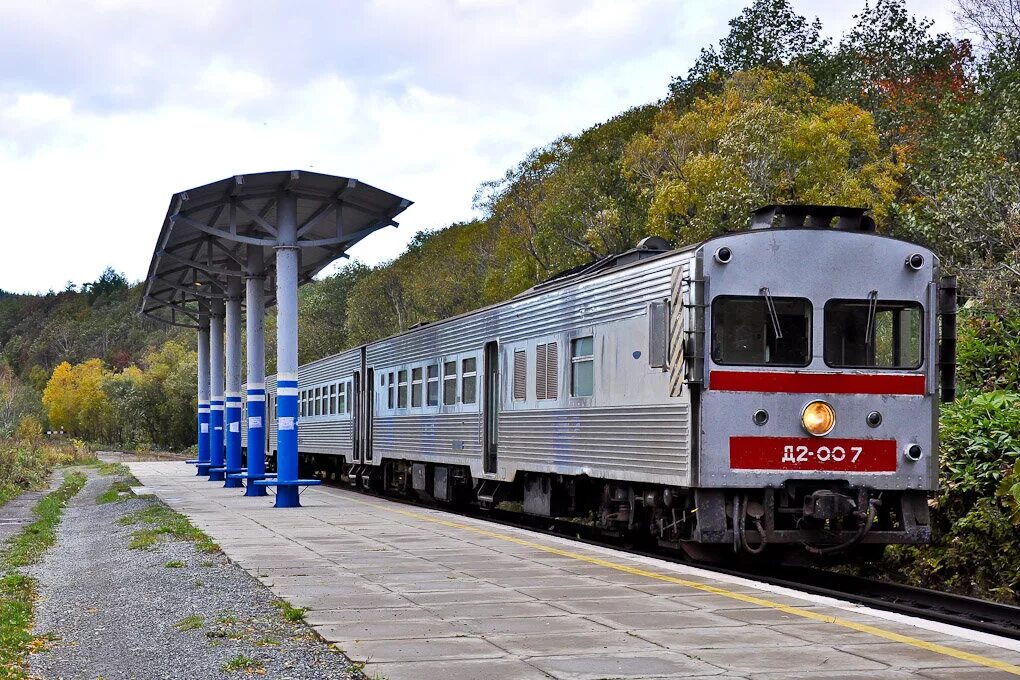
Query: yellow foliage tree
(75, 400)
(765, 139)
(59, 398)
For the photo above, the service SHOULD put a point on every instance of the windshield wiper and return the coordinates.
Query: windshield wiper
(771, 305)
(869, 339)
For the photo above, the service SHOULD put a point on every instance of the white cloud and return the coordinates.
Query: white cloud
(106, 110)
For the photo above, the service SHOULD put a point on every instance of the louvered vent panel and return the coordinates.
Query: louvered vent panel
(546, 375)
(540, 372)
(520, 376)
(552, 362)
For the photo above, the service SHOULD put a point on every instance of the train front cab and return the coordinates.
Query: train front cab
(818, 413)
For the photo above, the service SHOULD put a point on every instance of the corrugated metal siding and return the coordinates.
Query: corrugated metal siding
(600, 442)
(444, 437)
(326, 435)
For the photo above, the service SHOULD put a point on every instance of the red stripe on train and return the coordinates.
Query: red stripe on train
(812, 383)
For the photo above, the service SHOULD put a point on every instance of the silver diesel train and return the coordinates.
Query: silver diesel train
(769, 388)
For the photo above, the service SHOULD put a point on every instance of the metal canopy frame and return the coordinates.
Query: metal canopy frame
(210, 231)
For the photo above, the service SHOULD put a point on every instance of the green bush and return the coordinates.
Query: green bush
(975, 547)
(988, 352)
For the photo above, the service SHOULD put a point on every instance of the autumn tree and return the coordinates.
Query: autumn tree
(322, 324)
(165, 398)
(767, 138)
(766, 34)
(565, 204)
(75, 400)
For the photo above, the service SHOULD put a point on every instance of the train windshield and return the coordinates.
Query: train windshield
(873, 334)
(761, 331)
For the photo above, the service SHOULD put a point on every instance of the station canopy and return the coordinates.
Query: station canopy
(210, 230)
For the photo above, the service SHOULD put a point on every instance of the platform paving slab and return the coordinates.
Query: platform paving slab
(722, 637)
(420, 593)
(622, 605)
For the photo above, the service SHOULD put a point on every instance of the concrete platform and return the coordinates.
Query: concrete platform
(420, 593)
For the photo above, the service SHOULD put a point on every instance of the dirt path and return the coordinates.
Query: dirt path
(169, 611)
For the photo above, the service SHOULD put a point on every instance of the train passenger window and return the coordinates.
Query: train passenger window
(318, 401)
(342, 399)
(449, 383)
(873, 334)
(761, 330)
(416, 387)
(520, 375)
(432, 389)
(468, 381)
(582, 367)
(332, 399)
(402, 389)
(302, 401)
(389, 391)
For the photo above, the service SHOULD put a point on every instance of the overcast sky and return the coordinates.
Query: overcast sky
(108, 107)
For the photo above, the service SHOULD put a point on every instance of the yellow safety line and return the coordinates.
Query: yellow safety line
(761, 602)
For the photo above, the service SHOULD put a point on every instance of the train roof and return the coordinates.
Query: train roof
(649, 249)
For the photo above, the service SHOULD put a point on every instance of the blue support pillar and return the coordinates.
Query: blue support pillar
(216, 401)
(203, 397)
(233, 392)
(256, 374)
(287, 352)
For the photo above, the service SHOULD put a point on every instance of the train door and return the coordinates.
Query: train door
(490, 406)
(356, 426)
(369, 411)
(268, 417)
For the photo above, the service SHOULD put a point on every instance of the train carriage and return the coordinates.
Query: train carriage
(774, 387)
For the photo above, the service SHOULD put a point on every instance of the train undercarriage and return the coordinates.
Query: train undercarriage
(802, 521)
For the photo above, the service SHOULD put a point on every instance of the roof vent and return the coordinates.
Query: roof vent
(812, 217)
(656, 243)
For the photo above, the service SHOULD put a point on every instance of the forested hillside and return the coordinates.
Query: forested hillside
(922, 128)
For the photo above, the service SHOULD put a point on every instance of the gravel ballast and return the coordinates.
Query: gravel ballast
(165, 612)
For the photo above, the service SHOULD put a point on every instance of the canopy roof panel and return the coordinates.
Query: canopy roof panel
(210, 231)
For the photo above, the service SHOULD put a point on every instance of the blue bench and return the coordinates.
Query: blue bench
(287, 490)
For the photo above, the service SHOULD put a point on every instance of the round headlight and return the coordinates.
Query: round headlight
(818, 418)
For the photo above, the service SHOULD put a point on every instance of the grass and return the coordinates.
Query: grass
(290, 612)
(175, 564)
(118, 491)
(17, 591)
(190, 622)
(160, 521)
(27, 465)
(112, 469)
(242, 663)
